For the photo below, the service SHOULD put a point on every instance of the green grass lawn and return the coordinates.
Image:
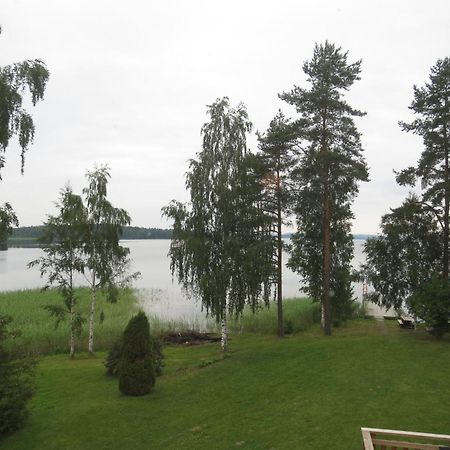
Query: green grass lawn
(304, 392)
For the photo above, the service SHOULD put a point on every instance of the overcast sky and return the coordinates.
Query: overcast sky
(130, 82)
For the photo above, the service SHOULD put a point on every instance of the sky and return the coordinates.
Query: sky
(130, 82)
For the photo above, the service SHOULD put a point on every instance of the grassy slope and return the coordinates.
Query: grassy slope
(304, 392)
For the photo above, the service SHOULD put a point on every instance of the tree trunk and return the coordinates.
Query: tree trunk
(224, 339)
(326, 307)
(279, 262)
(92, 315)
(326, 265)
(445, 255)
(72, 330)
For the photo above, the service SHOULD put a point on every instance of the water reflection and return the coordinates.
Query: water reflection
(158, 294)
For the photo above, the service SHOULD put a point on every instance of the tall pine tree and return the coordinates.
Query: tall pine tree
(327, 175)
(431, 105)
(276, 162)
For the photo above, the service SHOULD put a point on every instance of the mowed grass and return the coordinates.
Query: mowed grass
(38, 334)
(304, 392)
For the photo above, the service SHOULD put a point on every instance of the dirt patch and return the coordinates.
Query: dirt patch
(189, 337)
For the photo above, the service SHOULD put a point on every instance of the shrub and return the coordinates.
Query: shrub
(431, 303)
(136, 371)
(16, 383)
(112, 362)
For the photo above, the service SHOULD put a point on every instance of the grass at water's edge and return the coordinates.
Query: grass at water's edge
(38, 333)
(304, 392)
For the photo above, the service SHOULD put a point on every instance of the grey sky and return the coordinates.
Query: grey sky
(130, 82)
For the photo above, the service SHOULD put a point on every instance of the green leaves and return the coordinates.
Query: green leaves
(405, 255)
(14, 119)
(329, 167)
(220, 250)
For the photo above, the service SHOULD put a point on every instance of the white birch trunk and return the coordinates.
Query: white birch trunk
(92, 316)
(224, 340)
(322, 315)
(72, 333)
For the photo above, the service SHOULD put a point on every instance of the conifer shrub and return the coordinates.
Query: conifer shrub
(136, 371)
(16, 383)
(114, 357)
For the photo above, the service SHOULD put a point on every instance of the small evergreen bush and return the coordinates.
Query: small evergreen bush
(136, 371)
(112, 362)
(16, 383)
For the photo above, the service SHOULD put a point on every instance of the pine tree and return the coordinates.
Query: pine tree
(276, 162)
(431, 105)
(327, 175)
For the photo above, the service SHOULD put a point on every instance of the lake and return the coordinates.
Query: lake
(158, 294)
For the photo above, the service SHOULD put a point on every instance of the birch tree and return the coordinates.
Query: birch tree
(63, 260)
(106, 260)
(15, 120)
(220, 251)
(327, 175)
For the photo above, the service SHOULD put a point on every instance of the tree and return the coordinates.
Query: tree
(220, 248)
(14, 118)
(106, 259)
(431, 303)
(276, 156)
(16, 382)
(431, 105)
(327, 175)
(8, 219)
(63, 247)
(136, 373)
(405, 256)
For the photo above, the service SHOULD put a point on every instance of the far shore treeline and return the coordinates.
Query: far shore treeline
(28, 236)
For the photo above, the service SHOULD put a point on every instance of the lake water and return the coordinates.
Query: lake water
(158, 294)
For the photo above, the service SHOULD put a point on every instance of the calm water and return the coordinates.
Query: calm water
(157, 293)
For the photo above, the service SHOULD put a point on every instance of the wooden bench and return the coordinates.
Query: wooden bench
(405, 322)
(375, 439)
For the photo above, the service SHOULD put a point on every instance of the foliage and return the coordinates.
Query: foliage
(276, 162)
(62, 245)
(221, 249)
(330, 165)
(114, 357)
(404, 256)
(106, 260)
(145, 233)
(31, 75)
(136, 372)
(431, 105)
(431, 303)
(8, 219)
(16, 383)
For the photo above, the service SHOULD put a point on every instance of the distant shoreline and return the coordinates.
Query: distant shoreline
(28, 237)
